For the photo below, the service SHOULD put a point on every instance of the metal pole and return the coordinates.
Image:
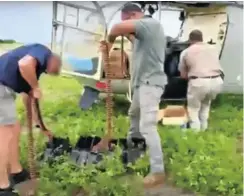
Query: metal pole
(54, 27)
(63, 32)
(74, 27)
(102, 18)
(78, 17)
(76, 6)
(159, 9)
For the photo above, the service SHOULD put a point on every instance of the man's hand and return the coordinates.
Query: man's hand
(184, 75)
(104, 45)
(102, 146)
(36, 93)
(47, 133)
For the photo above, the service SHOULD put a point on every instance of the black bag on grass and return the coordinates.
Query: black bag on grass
(55, 148)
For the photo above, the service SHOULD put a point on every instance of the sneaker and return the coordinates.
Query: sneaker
(20, 177)
(154, 180)
(8, 192)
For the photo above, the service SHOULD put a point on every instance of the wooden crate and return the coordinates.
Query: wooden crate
(118, 63)
(173, 115)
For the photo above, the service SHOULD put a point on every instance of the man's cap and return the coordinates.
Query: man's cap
(130, 7)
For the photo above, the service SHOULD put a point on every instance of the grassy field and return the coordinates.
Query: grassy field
(4, 47)
(208, 163)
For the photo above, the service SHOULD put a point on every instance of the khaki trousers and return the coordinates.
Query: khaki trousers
(200, 93)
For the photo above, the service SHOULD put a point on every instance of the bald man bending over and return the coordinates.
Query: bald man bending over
(20, 70)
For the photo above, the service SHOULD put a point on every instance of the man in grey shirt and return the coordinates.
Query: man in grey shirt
(148, 81)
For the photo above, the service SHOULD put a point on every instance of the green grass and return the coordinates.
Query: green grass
(4, 47)
(209, 163)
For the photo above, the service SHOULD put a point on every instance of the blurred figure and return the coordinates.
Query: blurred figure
(200, 64)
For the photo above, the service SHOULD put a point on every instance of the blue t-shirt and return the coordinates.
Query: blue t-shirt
(9, 68)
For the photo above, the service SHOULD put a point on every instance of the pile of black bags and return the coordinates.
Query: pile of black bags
(81, 154)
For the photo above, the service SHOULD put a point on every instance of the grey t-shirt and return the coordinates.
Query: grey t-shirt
(148, 53)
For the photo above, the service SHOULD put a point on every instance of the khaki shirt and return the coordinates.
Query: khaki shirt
(200, 60)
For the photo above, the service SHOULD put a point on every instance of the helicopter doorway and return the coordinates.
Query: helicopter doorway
(77, 29)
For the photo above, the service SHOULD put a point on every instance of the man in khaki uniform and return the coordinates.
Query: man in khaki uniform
(200, 64)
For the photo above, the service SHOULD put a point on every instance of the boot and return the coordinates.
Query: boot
(20, 177)
(8, 192)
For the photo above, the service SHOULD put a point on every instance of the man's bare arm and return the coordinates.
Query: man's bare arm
(183, 74)
(27, 67)
(182, 66)
(124, 28)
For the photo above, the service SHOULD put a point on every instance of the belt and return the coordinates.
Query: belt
(206, 77)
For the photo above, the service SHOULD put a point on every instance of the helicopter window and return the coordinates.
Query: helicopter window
(89, 23)
(116, 19)
(71, 16)
(60, 13)
(170, 20)
(78, 26)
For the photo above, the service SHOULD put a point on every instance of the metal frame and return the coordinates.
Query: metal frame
(56, 23)
(99, 11)
(76, 6)
(64, 30)
(226, 32)
(184, 4)
(74, 27)
(54, 28)
(119, 9)
(96, 11)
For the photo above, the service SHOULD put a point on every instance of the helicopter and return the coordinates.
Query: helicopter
(78, 28)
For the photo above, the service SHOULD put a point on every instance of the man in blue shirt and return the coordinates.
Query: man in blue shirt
(20, 70)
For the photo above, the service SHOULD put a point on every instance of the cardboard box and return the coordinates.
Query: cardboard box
(118, 64)
(173, 115)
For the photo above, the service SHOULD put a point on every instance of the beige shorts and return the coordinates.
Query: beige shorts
(7, 106)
